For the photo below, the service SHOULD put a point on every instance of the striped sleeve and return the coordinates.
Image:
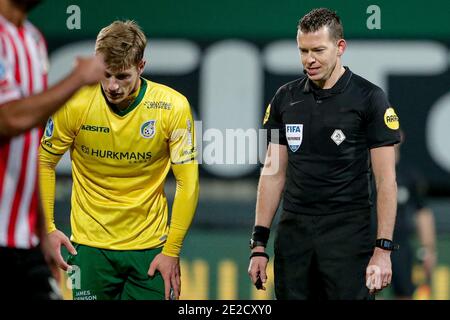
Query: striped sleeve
(9, 89)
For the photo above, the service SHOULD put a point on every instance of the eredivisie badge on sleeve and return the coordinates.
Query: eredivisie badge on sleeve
(294, 136)
(50, 126)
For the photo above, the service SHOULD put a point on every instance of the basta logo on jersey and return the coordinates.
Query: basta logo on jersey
(391, 119)
(148, 129)
(49, 128)
(294, 136)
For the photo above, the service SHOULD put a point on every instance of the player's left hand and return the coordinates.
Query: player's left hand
(379, 271)
(169, 267)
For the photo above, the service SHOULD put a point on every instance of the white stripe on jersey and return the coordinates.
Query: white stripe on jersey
(36, 61)
(31, 54)
(38, 52)
(8, 60)
(22, 234)
(11, 95)
(10, 181)
(15, 38)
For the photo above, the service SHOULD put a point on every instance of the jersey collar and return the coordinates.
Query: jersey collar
(338, 87)
(132, 106)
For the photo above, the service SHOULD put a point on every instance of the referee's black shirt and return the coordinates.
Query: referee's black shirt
(328, 133)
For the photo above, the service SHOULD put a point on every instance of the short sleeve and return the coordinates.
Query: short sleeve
(273, 122)
(382, 121)
(182, 142)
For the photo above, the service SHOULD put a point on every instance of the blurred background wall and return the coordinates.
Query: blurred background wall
(229, 58)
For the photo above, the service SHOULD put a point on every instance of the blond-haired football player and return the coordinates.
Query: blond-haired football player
(124, 135)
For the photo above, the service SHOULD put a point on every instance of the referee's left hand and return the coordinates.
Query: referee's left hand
(169, 267)
(379, 271)
(257, 268)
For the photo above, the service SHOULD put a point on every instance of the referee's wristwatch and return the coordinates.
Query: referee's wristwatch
(254, 244)
(386, 244)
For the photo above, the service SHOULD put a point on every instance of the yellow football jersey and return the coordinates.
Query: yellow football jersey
(120, 160)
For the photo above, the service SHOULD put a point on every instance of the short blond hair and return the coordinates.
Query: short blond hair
(122, 44)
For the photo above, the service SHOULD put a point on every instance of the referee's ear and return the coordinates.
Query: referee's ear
(342, 45)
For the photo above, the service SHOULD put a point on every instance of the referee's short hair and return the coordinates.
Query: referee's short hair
(317, 18)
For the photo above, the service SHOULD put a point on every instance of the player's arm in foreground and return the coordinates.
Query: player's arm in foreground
(379, 270)
(62, 131)
(184, 205)
(47, 175)
(20, 115)
(185, 169)
(270, 188)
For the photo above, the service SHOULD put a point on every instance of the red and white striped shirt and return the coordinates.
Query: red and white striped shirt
(23, 71)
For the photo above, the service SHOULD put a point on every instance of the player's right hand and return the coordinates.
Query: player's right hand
(56, 239)
(257, 269)
(90, 70)
(169, 267)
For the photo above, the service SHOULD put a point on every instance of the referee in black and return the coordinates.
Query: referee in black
(327, 130)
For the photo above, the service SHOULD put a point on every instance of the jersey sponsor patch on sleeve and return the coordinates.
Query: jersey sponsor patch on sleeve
(266, 115)
(391, 119)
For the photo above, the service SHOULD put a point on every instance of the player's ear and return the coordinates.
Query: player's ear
(342, 45)
(141, 66)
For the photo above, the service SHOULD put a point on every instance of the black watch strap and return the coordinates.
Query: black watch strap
(256, 243)
(259, 254)
(386, 244)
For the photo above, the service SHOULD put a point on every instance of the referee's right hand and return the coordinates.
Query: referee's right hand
(56, 239)
(257, 268)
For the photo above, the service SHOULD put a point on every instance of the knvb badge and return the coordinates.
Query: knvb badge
(294, 136)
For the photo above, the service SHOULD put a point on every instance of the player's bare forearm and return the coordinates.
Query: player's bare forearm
(427, 234)
(20, 115)
(426, 228)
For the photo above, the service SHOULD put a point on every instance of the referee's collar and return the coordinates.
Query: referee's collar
(338, 87)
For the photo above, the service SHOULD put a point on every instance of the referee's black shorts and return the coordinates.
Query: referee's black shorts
(323, 257)
(24, 275)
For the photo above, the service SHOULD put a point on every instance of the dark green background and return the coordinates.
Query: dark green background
(255, 19)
